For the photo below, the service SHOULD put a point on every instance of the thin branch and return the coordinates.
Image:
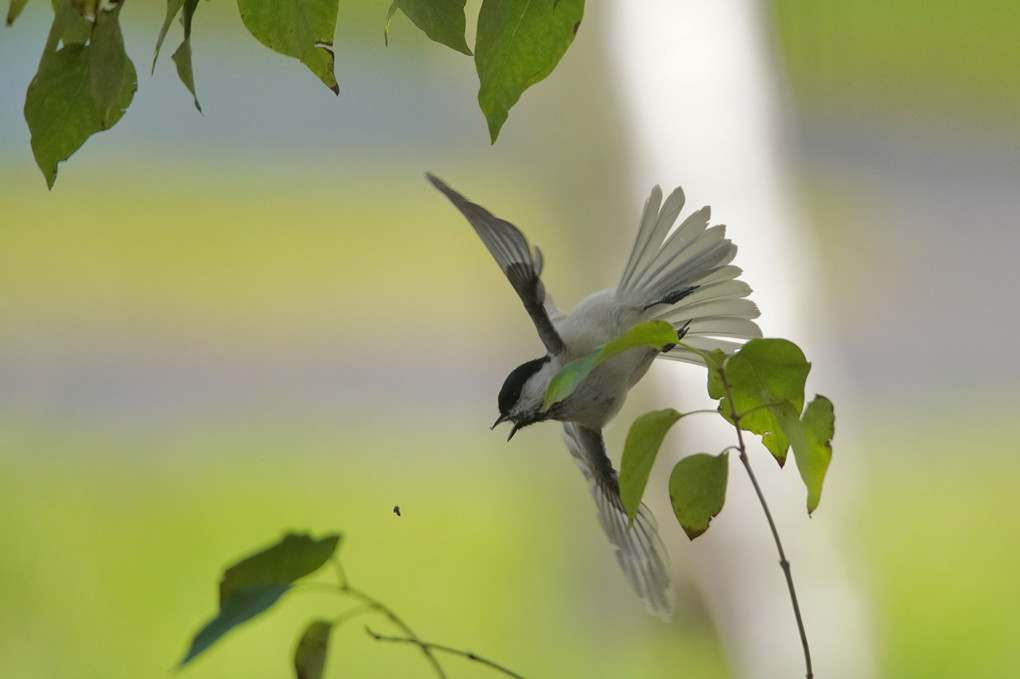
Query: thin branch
(702, 411)
(425, 645)
(375, 604)
(315, 588)
(783, 563)
(352, 613)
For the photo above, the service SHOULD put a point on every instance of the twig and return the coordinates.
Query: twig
(783, 563)
(446, 649)
(375, 604)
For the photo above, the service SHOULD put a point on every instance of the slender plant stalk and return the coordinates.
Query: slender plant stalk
(375, 604)
(783, 562)
(446, 649)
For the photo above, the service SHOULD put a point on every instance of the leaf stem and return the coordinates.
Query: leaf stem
(783, 562)
(446, 649)
(375, 604)
(352, 613)
(747, 412)
(702, 411)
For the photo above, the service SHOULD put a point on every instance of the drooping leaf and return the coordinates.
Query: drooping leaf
(60, 110)
(441, 20)
(14, 10)
(255, 583)
(656, 334)
(811, 439)
(310, 654)
(77, 31)
(86, 8)
(293, 557)
(390, 13)
(697, 490)
(182, 59)
(643, 442)
(519, 43)
(108, 63)
(238, 609)
(172, 8)
(302, 29)
(69, 27)
(182, 56)
(765, 371)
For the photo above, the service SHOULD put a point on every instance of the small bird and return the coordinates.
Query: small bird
(682, 276)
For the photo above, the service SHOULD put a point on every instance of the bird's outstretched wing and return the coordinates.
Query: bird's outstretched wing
(638, 547)
(522, 267)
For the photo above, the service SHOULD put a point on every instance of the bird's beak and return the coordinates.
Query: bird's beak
(499, 420)
(513, 431)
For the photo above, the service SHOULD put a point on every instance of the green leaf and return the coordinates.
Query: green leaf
(77, 31)
(172, 8)
(310, 655)
(182, 59)
(108, 63)
(714, 361)
(68, 28)
(60, 110)
(240, 608)
(762, 372)
(302, 29)
(658, 334)
(295, 556)
(697, 490)
(643, 442)
(87, 8)
(14, 10)
(182, 56)
(255, 583)
(811, 439)
(519, 43)
(442, 20)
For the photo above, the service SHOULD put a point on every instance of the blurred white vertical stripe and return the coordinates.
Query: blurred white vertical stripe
(703, 107)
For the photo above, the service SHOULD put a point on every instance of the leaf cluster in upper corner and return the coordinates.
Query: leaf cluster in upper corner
(517, 44)
(84, 83)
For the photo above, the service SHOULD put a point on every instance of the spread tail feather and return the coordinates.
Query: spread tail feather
(684, 276)
(639, 550)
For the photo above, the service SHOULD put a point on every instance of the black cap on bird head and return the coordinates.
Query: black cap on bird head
(510, 394)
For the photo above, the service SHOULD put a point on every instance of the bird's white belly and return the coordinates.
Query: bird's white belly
(601, 395)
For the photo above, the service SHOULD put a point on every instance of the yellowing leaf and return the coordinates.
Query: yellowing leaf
(811, 439)
(765, 371)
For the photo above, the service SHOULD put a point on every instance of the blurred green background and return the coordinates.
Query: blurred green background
(216, 328)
